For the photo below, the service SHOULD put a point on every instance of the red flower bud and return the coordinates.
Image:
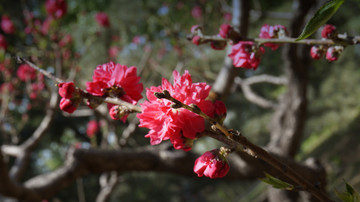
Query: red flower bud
(196, 40)
(225, 30)
(68, 105)
(316, 53)
(244, 56)
(194, 28)
(329, 31)
(331, 54)
(66, 90)
(272, 32)
(211, 164)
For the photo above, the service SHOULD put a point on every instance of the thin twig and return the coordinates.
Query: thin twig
(342, 39)
(116, 101)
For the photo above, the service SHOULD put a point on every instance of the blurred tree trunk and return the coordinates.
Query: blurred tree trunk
(287, 125)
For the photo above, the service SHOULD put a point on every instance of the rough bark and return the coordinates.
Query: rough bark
(81, 162)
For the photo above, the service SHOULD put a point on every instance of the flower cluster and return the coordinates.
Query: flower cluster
(56, 8)
(25, 72)
(117, 81)
(272, 32)
(333, 52)
(179, 125)
(246, 55)
(212, 164)
(102, 19)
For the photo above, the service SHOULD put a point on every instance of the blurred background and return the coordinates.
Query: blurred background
(152, 35)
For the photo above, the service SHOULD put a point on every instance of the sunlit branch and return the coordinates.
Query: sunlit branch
(236, 140)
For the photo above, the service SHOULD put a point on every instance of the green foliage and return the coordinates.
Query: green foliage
(351, 195)
(320, 18)
(276, 183)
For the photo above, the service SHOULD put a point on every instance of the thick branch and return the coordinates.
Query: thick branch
(81, 162)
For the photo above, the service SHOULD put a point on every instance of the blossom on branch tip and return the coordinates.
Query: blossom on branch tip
(179, 125)
(272, 32)
(329, 31)
(211, 164)
(116, 80)
(244, 54)
(7, 25)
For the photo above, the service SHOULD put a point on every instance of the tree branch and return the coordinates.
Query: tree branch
(250, 95)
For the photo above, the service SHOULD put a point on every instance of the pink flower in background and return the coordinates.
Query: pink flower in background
(225, 30)
(3, 44)
(328, 32)
(196, 12)
(45, 26)
(116, 80)
(227, 16)
(102, 19)
(26, 72)
(179, 125)
(56, 8)
(67, 39)
(113, 52)
(92, 128)
(272, 32)
(244, 56)
(7, 87)
(7, 25)
(136, 40)
(211, 164)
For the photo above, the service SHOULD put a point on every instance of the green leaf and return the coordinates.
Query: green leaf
(351, 195)
(276, 183)
(321, 17)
